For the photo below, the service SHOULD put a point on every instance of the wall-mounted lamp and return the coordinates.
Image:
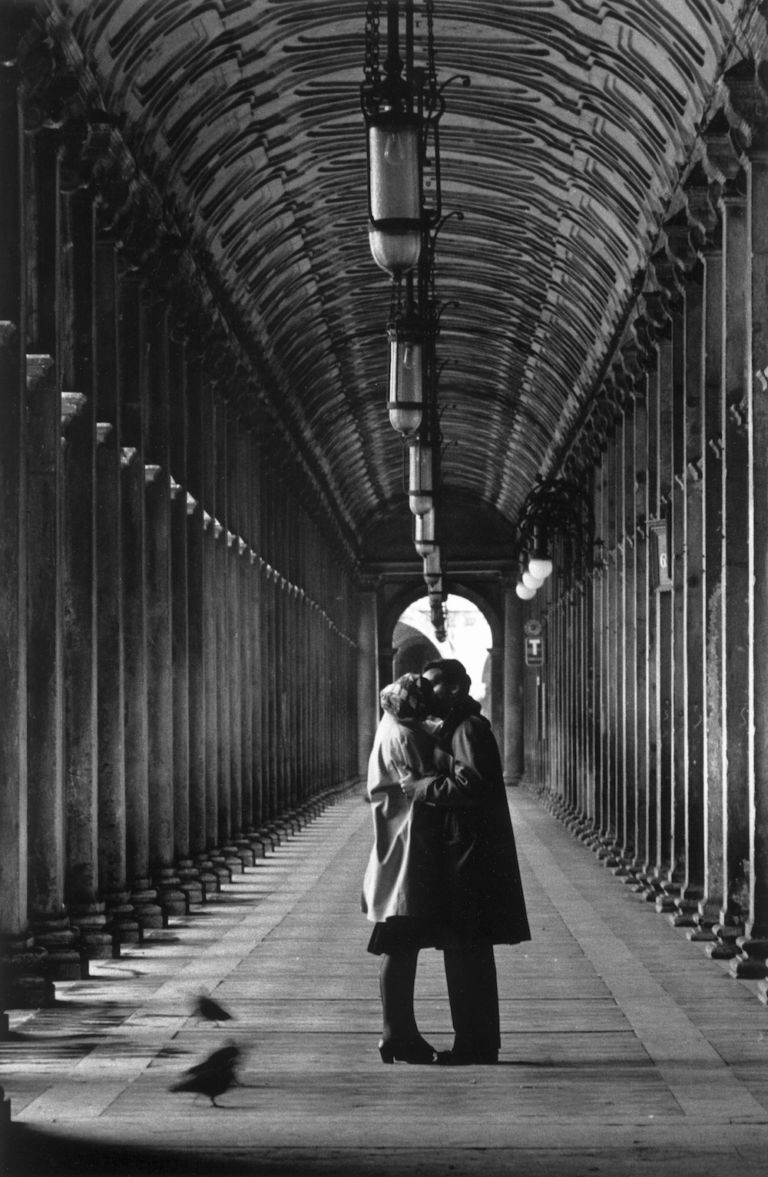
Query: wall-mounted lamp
(556, 514)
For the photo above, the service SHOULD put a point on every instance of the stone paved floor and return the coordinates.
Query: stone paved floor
(625, 1050)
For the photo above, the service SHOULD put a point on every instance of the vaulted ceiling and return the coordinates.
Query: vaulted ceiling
(562, 155)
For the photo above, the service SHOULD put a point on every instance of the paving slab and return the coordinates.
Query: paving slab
(625, 1051)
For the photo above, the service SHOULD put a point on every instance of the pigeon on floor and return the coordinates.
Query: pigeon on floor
(213, 1076)
(209, 1010)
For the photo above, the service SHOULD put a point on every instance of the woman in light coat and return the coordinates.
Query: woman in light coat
(403, 893)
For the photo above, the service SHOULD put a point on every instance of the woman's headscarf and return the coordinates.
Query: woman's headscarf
(406, 698)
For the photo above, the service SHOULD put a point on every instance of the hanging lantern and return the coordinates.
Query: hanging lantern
(406, 374)
(432, 568)
(424, 528)
(394, 190)
(421, 473)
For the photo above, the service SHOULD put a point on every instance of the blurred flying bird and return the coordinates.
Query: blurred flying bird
(205, 1007)
(213, 1076)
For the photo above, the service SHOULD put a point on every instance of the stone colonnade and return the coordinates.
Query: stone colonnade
(647, 724)
(178, 619)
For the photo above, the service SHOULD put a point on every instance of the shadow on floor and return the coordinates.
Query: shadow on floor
(32, 1152)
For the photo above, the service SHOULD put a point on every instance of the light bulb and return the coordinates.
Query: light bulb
(394, 154)
(540, 568)
(531, 582)
(525, 594)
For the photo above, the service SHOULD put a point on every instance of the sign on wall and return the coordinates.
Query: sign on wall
(660, 554)
(534, 643)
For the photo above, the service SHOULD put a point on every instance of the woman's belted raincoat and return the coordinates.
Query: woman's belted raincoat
(404, 873)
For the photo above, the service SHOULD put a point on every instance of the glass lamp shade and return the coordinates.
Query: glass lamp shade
(540, 567)
(424, 532)
(525, 594)
(394, 252)
(530, 581)
(406, 353)
(432, 562)
(420, 477)
(394, 190)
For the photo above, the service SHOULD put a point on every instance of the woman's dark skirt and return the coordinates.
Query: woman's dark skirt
(401, 933)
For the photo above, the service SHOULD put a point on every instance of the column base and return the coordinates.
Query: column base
(25, 985)
(96, 936)
(5, 1123)
(170, 896)
(220, 868)
(123, 925)
(189, 881)
(144, 902)
(232, 859)
(751, 962)
(66, 959)
(258, 844)
(724, 947)
(701, 933)
(686, 914)
(245, 852)
(209, 880)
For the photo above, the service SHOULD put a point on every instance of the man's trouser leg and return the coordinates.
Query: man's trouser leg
(473, 995)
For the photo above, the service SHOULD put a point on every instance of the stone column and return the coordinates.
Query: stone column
(157, 555)
(496, 678)
(648, 880)
(712, 661)
(642, 642)
(691, 592)
(514, 669)
(664, 623)
(50, 921)
(244, 582)
(753, 946)
(628, 633)
(674, 881)
(211, 528)
(143, 896)
(600, 623)
(109, 583)
(367, 679)
(221, 607)
(254, 598)
(234, 644)
(181, 504)
(23, 984)
(196, 608)
(734, 594)
(78, 417)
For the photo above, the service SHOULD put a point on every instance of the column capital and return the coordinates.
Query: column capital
(746, 98)
(699, 198)
(722, 158)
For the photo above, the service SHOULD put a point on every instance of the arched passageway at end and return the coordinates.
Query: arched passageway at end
(468, 637)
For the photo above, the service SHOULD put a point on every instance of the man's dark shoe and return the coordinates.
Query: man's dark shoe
(477, 1058)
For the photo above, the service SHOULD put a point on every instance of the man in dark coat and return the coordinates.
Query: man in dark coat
(482, 876)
